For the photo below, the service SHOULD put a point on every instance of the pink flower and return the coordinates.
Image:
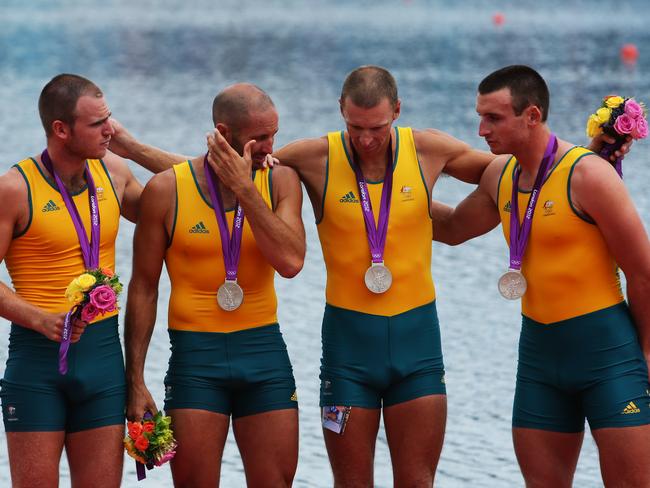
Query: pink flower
(624, 125)
(103, 297)
(641, 129)
(165, 457)
(633, 109)
(89, 312)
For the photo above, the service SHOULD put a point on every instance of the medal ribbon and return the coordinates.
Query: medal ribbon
(376, 234)
(230, 245)
(89, 250)
(519, 233)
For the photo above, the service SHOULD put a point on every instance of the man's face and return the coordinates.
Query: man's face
(262, 126)
(501, 128)
(369, 128)
(91, 131)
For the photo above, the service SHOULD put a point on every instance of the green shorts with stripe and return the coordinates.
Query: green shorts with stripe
(589, 366)
(36, 398)
(236, 373)
(370, 360)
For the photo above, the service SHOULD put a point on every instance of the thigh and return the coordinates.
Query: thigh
(201, 436)
(415, 431)
(355, 358)
(96, 454)
(268, 443)
(624, 455)
(416, 360)
(34, 458)
(547, 458)
(352, 453)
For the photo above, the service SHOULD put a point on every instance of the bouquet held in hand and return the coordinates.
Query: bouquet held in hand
(150, 442)
(620, 118)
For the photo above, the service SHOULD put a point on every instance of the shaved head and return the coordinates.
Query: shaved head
(367, 86)
(234, 105)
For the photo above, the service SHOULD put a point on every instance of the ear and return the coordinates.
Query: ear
(533, 115)
(397, 110)
(225, 131)
(61, 130)
(341, 105)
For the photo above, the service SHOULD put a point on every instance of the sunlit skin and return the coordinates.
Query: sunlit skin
(262, 127)
(91, 132)
(503, 130)
(369, 129)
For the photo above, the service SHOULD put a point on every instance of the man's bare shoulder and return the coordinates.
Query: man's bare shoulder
(284, 173)
(162, 184)
(434, 140)
(302, 151)
(12, 185)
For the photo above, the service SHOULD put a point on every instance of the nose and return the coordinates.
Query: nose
(483, 129)
(267, 145)
(365, 139)
(108, 128)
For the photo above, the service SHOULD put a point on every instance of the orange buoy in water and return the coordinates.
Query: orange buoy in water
(629, 53)
(498, 19)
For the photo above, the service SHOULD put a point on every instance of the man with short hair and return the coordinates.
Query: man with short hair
(370, 188)
(228, 356)
(570, 222)
(41, 243)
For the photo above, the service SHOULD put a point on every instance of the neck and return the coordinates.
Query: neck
(69, 167)
(530, 156)
(227, 196)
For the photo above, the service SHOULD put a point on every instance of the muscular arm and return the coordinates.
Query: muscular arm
(476, 215)
(597, 191)
(279, 234)
(451, 156)
(14, 216)
(155, 160)
(149, 244)
(127, 186)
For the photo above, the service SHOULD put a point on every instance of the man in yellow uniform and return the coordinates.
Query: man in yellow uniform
(222, 231)
(583, 353)
(41, 243)
(370, 187)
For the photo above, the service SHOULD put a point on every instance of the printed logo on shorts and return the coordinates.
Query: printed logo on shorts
(199, 228)
(349, 198)
(294, 397)
(50, 207)
(631, 408)
(11, 413)
(327, 384)
(442, 380)
(506, 207)
(168, 392)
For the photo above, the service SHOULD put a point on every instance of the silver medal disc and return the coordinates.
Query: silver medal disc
(378, 278)
(512, 284)
(230, 295)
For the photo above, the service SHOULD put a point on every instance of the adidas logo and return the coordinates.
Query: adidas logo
(506, 207)
(294, 397)
(349, 198)
(50, 207)
(199, 228)
(631, 408)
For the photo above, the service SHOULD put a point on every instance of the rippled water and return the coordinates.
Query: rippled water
(161, 62)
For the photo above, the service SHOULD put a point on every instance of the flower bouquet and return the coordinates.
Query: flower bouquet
(618, 117)
(92, 293)
(150, 442)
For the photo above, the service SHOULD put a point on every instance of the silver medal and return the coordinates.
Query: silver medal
(378, 278)
(230, 295)
(512, 284)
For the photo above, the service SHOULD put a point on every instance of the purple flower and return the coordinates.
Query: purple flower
(624, 124)
(633, 109)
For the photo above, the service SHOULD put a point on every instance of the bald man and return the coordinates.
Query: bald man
(228, 356)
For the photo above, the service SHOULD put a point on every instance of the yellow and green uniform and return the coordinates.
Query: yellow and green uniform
(354, 311)
(42, 261)
(212, 349)
(578, 353)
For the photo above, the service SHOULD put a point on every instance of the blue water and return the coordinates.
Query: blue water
(161, 62)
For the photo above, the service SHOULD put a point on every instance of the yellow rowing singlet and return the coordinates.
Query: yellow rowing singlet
(567, 264)
(196, 269)
(343, 237)
(46, 257)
